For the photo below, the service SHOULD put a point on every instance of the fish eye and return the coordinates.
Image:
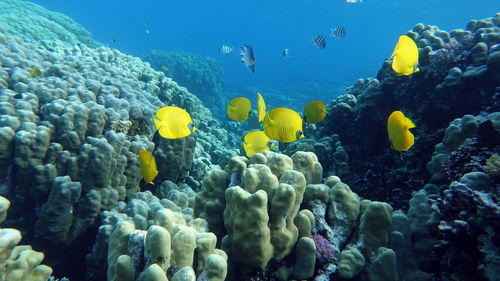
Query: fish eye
(270, 144)
(298, 134)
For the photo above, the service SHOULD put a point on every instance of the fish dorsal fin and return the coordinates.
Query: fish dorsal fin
(409, 124)
(157, 123)
(191, 127)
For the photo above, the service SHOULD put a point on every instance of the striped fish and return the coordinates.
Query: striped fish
(319, 41)
(338, 32)
(225, 49)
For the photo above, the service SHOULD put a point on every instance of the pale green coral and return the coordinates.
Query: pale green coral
(169, 247)
(19, 263)
(304, 221)
(383, 266)
(375, 223)
(316, 192)
(351, 263)
(305, 253)
(210, 201)
(270, 205)
(458, 132)
(307, 163)
(246, 220)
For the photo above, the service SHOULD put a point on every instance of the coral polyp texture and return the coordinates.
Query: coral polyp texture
(18, 262)
(339, 204)
(37, 25)
(71, 131)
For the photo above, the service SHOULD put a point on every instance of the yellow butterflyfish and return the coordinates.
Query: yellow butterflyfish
(261, 107)
(405, 56)
(239, 109)
(35, 72)
(398, 126)
(173, 122)
(147, 165)
(283, 124)
(255, 142)
(314, 112)
(165, 68)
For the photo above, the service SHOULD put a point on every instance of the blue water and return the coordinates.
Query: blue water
(201, 26)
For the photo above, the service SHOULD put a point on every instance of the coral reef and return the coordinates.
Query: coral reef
(264, 192)
(146, 238)
(469, 142)
(40, 26)
(201, 75)
(70, 138)
(469, 211)
(72, 119)
(18, 262)
(457, 77)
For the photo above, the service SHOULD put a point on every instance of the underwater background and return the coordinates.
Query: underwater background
(200, 27)
(351, 140)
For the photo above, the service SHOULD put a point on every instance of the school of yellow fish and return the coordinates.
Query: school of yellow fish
(279, 124)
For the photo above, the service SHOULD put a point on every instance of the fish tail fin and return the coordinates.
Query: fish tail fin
(157, 123)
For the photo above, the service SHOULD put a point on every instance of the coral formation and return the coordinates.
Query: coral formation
(40, 26)
(455, 80)
(201, 75)
(72, 119)
(70, 137)
(146, 238)
(18, 262)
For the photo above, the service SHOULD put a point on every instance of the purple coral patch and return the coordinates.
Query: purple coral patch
(324, 250)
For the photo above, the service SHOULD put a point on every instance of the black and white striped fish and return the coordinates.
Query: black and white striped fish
(319, 41)
(225, 49)
(338, 32)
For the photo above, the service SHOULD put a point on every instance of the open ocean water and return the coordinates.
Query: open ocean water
(199, 26)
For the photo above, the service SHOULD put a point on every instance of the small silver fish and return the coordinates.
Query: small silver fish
(284, 53)
(248, 57)
(319, 41)
(353, 1)
(225, 49)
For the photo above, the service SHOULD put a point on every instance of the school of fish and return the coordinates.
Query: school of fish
(279, 124)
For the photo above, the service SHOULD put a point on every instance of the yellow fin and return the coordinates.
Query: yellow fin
(147, 164)
(261, 107)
